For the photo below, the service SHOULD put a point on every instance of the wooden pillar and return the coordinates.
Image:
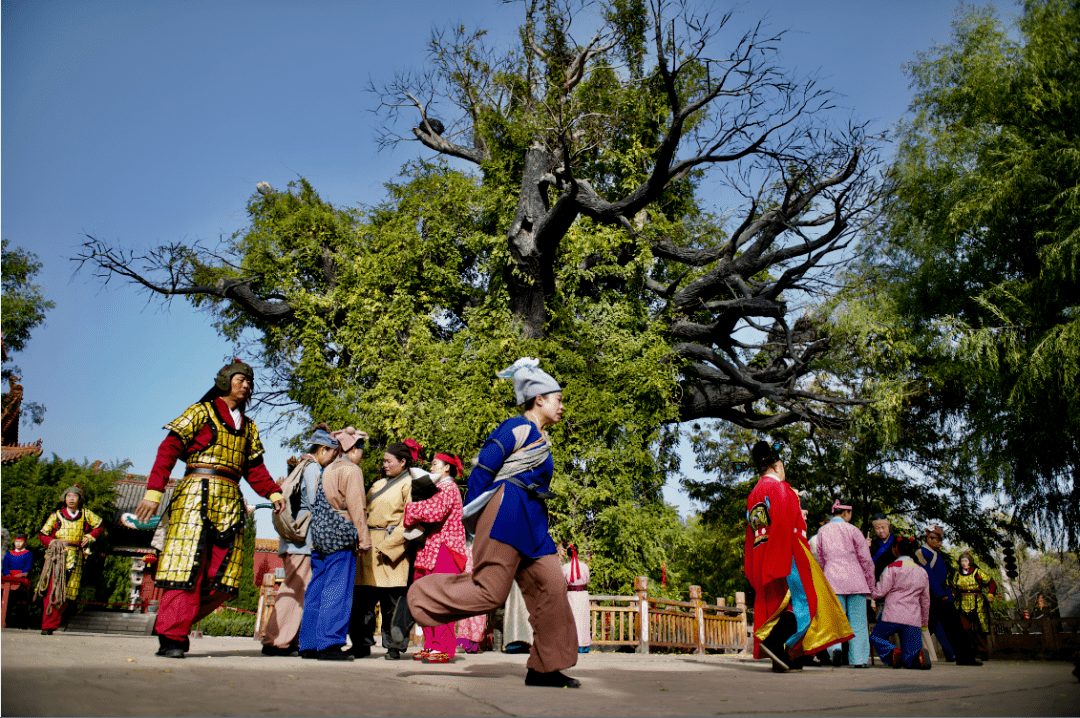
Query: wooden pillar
(641, 588)
(740, 603)
(267, 596)
(699, 616)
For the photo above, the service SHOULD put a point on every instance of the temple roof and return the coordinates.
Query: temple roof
(11, 454)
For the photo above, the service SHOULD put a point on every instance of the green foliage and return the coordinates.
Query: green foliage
(31, 491)
(979, 259)
(228, 623)
(24, 304)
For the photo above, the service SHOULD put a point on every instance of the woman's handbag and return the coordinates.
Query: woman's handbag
(329, 530)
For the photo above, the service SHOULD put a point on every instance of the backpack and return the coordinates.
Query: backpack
(286, 524)
(330, 531)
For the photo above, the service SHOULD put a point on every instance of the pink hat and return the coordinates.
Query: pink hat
(349, 437)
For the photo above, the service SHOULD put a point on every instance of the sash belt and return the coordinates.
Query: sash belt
(577, 588)
(214, 472)
(534, 489)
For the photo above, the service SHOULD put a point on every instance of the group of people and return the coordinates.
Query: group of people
(353, 550)
(811, 594)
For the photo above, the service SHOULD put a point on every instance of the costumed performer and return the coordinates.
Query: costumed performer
(200, 562)
(505, 499)
(385, 570)
(845, 560)
(906, 590)
(281, 637)
(576, 573)
(16, 567)
(74, 527)
(944, 619)
(795, 610)
(338, 533)
(443, 550)
(972, 604)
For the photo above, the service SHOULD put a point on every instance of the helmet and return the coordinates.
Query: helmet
(224, 377)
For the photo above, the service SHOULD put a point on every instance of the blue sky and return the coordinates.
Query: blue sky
(145, 123)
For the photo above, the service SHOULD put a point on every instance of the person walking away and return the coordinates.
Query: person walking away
(73, 528)
(383, 578)
(973, 605)
(576, 573)
(444, 548)
(505, 507)
(18, 563)
(338, 533)
(795, 611)
(905, 588)
(281, 637)
(200, 563)
(845, 560)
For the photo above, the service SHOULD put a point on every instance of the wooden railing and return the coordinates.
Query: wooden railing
(1034, 638)
(645, 622)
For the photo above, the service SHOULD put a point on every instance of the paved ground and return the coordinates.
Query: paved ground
(93, 674)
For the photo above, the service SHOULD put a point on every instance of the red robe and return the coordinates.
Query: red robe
(785, 575)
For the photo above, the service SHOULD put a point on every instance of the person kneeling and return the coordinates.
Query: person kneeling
(906, 588)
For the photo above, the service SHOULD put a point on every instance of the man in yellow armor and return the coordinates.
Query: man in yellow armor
(200, 564)
(75, 528)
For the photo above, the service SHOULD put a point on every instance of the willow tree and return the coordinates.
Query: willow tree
(562, 209)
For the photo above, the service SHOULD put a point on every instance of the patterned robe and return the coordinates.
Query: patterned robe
(785, 575)
(970, 599)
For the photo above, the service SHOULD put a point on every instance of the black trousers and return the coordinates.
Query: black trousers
(395, 612)
(783, 630)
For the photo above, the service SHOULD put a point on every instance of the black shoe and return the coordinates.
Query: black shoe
(554, 679)
(173, 652)
(46, 631)
(311, 653)
(165, 645)
(334, 654)
(360, 651)
(392, 654)
(275, 651)
(968, 662)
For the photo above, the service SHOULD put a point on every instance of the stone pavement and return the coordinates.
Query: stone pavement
(107, 675)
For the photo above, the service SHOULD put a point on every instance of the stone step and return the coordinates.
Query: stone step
(139, 624)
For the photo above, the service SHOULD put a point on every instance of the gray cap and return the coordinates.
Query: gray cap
(529, 379)
(323, 438)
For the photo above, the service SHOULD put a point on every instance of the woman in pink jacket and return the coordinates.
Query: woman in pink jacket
(906, 588)
(845, 559)
(444, 546)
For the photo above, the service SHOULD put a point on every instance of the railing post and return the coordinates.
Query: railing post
(267, 596)
(699, 615)
(641, 588)
(740, 603)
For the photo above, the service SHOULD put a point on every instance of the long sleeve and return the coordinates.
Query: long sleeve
(49, 529)
(356, 500)
(884, 585)
(862, 553)
(260, 479)
(430, 511)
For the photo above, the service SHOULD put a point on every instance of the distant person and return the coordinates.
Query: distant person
(281, 637)
(505, 499)
(905, 588)
(74, 527)
(576, 572)
(443, 550)
(974, 590)
(18, 562)
(795, 610)
(200, 564)
(881, 544)
(944, 618)
(845, 559)
(338, 533)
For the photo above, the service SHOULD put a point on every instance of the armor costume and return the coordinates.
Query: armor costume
(208, 497)
(61, 525)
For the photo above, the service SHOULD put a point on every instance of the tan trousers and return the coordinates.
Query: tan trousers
(442, 598)
(284, 625)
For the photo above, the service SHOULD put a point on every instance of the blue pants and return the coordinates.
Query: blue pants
(910, 641)
(854, 605)
(328, 601)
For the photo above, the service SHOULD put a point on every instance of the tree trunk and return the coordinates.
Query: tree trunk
(534, 279)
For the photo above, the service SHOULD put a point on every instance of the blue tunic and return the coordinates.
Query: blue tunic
(939, 574)
(13, 562)
(522, 521)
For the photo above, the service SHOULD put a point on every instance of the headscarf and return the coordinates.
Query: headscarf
(453, 461)
(575, 566)
(529, 379)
